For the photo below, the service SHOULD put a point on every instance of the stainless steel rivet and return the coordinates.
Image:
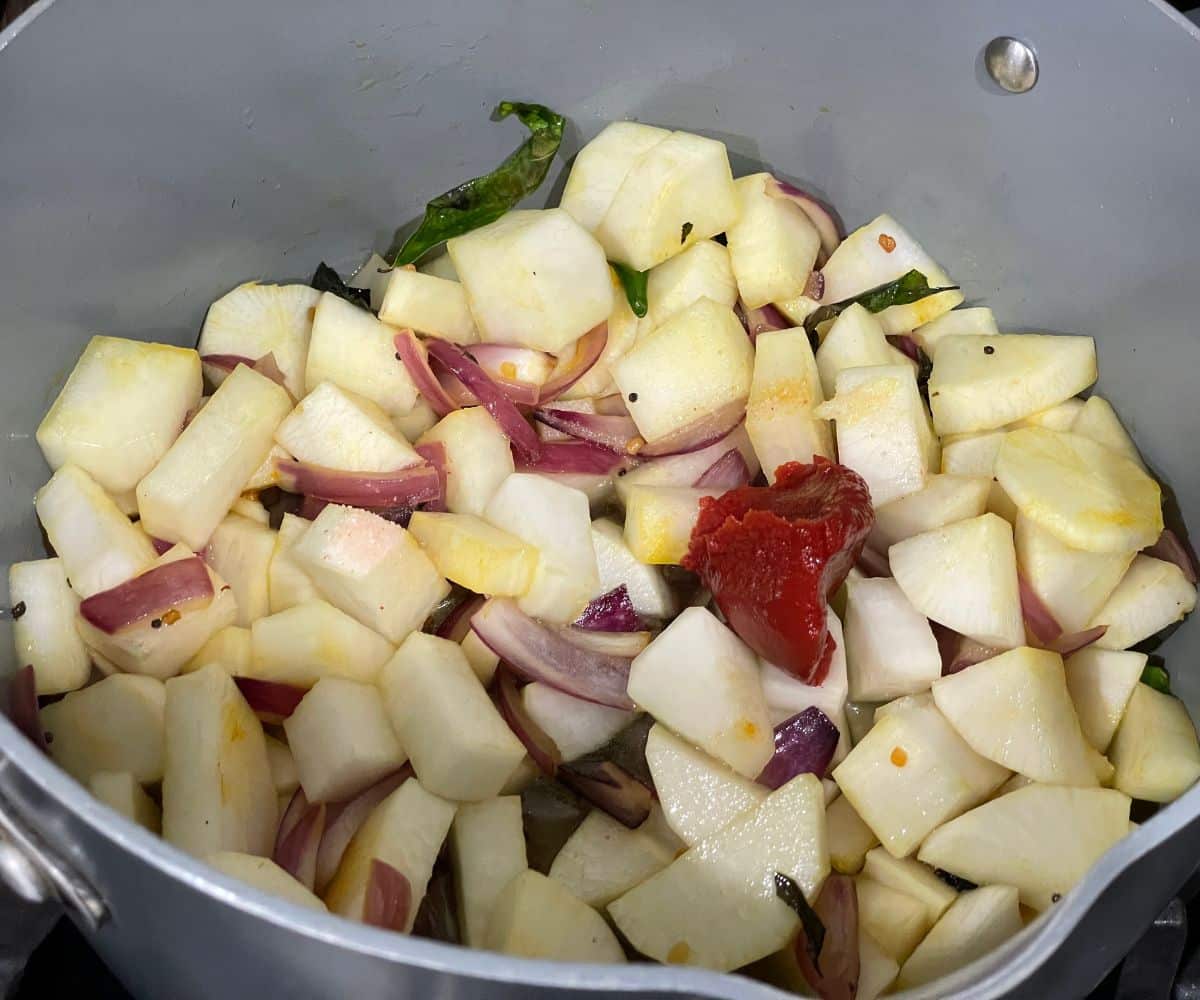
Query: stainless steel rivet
(1011, 63)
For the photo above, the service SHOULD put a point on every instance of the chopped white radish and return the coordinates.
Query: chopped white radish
(911, 878)
(882, 428)
(1086, 495)
(538, 917)
(913, 772)
(122, 406)
(314, 640)
(487, 849)
(893, 918)
(80, 728)
(850, 839)
(217, 792)
(416, 422)
(649, 592)
(784, 394)
(622, 335)
(699, 795)
(1040, 838)
(702, 271)
(338, 430)
(601, 166)
(356, 352)
(533, 278)
(120, 790)
(890, 648)
(698, 362)
(684, 469)
(405, 831)
(97, 544)
(372, 569)
(1059, 417)
(255, 320)
(265, 476)
(477, 461)
(566, 577)
(482, 660)
(879, 252)
(1072, 583)
(678, 192)
(700, 679)
(288, 584)
(577, 727)
(266, 876)
(43, 626)
(773, 245)
(251, 509)
(854, 340)
(228, 439)
(603, 859)
(160, 646)
(943, 499)
(659, 521)
(1100, 682)
(372, 277)
(980, 383)
(474, 554)
(1099, 421)
(230, 647)
(975, 321)
(240, 551)
(1155, 752)
(964, 576)
(341, 740)
(440, 266)
(1152, 595)
(429, 305)
(284, 774)
(977, 922)
(975, 455)
(716, 905)
(459, 745)
(1015, 709)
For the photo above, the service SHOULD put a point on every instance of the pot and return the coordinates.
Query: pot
(155, 154)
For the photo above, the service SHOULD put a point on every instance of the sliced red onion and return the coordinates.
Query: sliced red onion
(832, 969)
(764, 319)
(804, 744)
(905, 343)
(161, 545)
(310, 507)
(402, 488)
(814, 287)
(23, 706)
(685, 469)
(829, 227)
(611, 612)
(727, 473)
(538, 653)
(1039, 619)
(624, 644)
(699, 433)
(872, 563)
(514, 425)
(459, 393)
(612, 405)
(149, 595)
(457, 623)
(541, 747)
(958, 651)
(586, 353)
(271, 701)
(574, 457)
(296, 808)
(412, 354)
(389, 897)
(434, 452)
(608, 786)
(1072, 642)
(296, 851)
(501, 363)
(617, 433)
(343, 819)
(227, 362)
(521, 393)
(1170, 548)
(268, 367)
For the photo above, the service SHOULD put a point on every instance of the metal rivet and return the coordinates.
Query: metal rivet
(1011, 63)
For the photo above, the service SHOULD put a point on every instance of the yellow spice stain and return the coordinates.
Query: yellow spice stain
(171, 617)
(899, 756)
(747, 729)
(508, 370)
(785, 392)
(679, 953)
(232, 726)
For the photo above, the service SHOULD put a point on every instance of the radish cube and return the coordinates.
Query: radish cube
(459, 745)
(44, 631)
(649, 592)
(487, 849)
(1155, 751)
(341, 739)
(659, 521)
(975, 455)
(429, 305)
(265, 876)
(1099, 421)
(854, 340)
(314, 640)
(416, 421)
(284, 774)
(890, 648)
(97, 544)
(1100, 682)
(120, 790)
(371, 277)
(560, 528)
(601, 166)
(288, 584)
(702, 271)
(372, 569)
(265, 476)
(82, 725)
(240, 551)
(685, 469)
(697, 362)
(440, 266)
(977, 922)
(944, 499)
(891, 917)
(577, 727)
(850, 839)
(472, 553)
(478, 458)
(537, 917)
(229, 647)
(122, 406)
(355, 351)
(773, 245)
(622, 334)
(228, 439)
(1060, 417)
(700, 679)
(912, 878)
(533, 278)
(976, 321)
(1152, 595)
(678, 192)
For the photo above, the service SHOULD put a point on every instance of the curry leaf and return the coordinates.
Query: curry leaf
(477, 202)
(814, 930)
(326, 279)
(1157, 678)
(908, 288)
(634, 283)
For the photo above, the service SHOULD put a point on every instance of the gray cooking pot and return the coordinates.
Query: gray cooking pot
(152, 154)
